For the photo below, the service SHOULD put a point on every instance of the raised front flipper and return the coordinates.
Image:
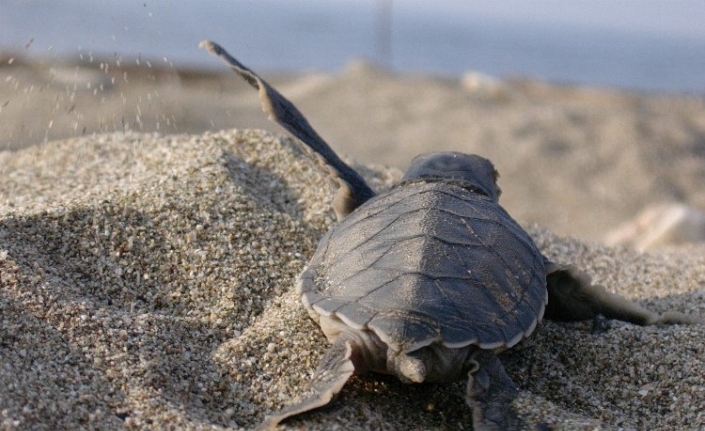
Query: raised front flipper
(573, 297)
(332, 373)
(353, 191)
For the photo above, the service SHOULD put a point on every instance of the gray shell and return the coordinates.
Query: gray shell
(429, 262)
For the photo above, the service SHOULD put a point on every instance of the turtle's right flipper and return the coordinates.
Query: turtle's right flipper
(332, 373)
(490, 392)
(572, 296)
(353, 191)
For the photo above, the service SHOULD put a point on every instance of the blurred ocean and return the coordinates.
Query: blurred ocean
(647, 45)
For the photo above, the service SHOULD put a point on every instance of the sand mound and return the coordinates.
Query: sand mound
(145, 283)
(580, 161)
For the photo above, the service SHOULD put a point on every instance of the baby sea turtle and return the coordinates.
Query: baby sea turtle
(430, 279)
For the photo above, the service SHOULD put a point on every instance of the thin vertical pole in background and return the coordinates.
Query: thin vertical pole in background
(384, 31)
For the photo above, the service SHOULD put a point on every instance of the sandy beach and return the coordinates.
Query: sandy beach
(146, 265)
(580, 161)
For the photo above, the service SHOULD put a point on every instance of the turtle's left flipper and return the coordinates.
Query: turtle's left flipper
(572, 297)
(353, 189)
(332, 373)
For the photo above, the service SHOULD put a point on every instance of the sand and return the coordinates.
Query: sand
(580, 161)
(146, 283)
(145, 279)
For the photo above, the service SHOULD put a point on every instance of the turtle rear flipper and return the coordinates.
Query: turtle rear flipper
(353, 191)
(490, 392)
(332, 373)
(572, 296)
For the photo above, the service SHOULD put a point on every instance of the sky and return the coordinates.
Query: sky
(651, 43)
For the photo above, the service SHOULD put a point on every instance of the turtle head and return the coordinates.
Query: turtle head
(471, 171)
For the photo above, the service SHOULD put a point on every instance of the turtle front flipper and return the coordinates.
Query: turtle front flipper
(353, 191)
(572, 296)
(332, 373)
(490, 392)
